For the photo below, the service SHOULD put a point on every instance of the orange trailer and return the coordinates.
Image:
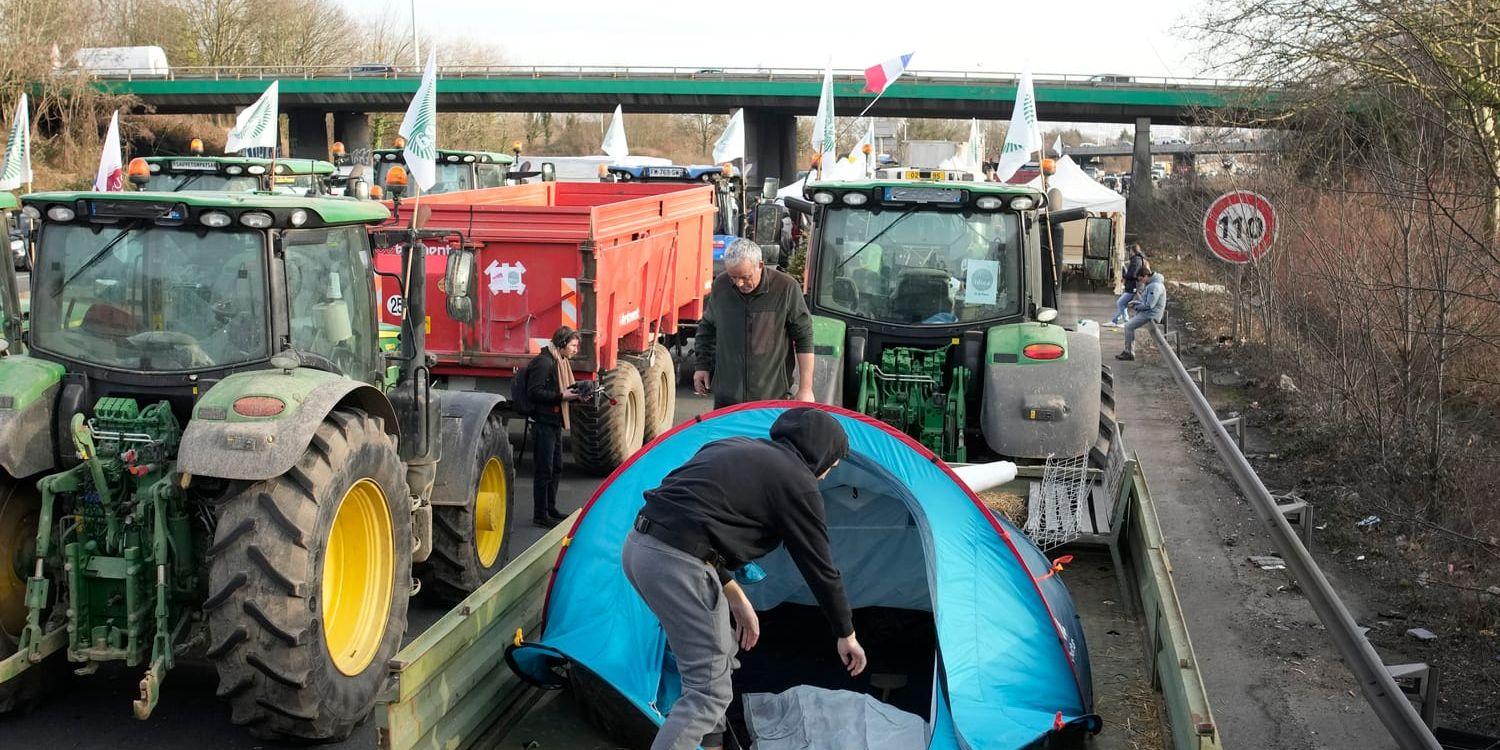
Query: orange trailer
(627, 264)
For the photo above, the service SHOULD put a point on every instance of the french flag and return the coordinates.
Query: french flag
(885, 74)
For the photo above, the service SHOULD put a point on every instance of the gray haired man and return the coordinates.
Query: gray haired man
(755, 322)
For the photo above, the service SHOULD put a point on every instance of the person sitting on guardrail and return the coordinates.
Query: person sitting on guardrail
(1132, 268)
(1149, 306)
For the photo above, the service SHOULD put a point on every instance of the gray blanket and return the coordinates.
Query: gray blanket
(812, 718)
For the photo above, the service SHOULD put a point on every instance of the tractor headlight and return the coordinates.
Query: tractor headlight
(32, 212)
(299, 217)
(469, 158)
(214, 219)
(256, 219)
(987, 203)
(1022, 203)
(154, 167)
(453, 157)
(60, 213)
(255, 169)
(234, 169)
(822, 198)
(855, 199)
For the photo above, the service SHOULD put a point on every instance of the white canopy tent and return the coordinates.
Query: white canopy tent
(1078, 189)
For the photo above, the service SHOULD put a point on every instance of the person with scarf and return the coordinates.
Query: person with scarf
(549, 385)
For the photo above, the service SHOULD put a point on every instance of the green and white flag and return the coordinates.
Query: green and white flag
(1024, 136)
(256, 126)
(731, 145)
(419, 128)
(824, 135)
(17, 169)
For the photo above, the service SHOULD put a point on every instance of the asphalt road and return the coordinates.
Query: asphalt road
(94, 713)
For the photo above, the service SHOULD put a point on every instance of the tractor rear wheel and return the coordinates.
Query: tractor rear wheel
(605, 436)
(20, 504)
(470, 542)
(309, 576)
(659, 381)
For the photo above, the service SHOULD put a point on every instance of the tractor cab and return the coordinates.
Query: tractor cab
(928, 314)
(456, 170)
(237, 174)
(727, 185)
(10, 293)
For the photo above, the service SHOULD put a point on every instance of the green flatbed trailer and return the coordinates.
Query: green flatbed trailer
(451, 688)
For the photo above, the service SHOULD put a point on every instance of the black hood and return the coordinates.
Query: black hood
(814, 435)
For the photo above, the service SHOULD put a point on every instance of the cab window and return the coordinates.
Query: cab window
(328, 278)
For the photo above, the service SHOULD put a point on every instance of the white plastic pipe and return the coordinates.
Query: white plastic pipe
(981, 477)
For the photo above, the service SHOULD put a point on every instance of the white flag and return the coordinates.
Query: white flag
(824, 134)
(1024, 136)
(111, 174)
(256, 126)
(419, 128)
(614, 140)
(17, 169)
(857, 156)
(975, 165)
(731, 145)
(1057, 145)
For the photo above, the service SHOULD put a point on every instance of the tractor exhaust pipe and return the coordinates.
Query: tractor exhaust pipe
(981, 477)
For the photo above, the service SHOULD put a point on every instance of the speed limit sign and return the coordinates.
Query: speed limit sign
(1239, 226)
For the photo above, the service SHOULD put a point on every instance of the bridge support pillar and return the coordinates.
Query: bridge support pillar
(307, 133)
(1140, 164)
(353, 130)
(770, 145)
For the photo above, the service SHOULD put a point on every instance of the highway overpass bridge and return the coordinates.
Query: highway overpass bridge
(771, 98)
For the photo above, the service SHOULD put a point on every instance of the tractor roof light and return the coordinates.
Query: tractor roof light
(298, 217)
(1049, 166)
(727, 169)
(31, 211)
(1043, 351)
(376, 193)
(234, 169)
(257, 219)
(391, 156)
(855, 199)
(139, 171)
(337, 149)
(255, 169)
(215, 219)
(60, 213)
(469, 158)
(1022, 203)
(195, 146)
(867, 149)
(155, 167)
(453, 157)
(987, 203)
(396, 180)
(515, 148)
(400, 141)
(823, 198)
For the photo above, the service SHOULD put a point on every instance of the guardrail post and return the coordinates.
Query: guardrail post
(1177, 343)
(1237, 424)
(1298, 513)
(1200, 377)
(1420, 682)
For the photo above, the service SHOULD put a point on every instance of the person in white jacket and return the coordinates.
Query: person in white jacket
(1149, 305)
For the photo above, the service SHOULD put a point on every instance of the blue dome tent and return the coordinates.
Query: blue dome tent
(958, 601)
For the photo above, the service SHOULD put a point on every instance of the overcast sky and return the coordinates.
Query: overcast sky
(1056, 36)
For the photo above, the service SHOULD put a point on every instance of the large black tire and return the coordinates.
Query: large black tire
(604, 437)
(275, 560)
(659, 384)
(20, 504)
(464, 555)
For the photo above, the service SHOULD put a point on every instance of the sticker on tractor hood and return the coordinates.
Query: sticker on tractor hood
(505, 278)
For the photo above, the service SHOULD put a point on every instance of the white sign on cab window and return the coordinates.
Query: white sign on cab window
(981, 287)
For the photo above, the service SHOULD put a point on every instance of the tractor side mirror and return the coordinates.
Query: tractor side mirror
(460, 280)
(1045, 315)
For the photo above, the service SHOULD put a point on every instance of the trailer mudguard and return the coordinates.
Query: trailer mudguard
(463, 416)
(28, 398)
(221, 442)
(828, 360)
(1035, 408)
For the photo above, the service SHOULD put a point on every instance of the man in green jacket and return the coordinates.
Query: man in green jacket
(754, 323)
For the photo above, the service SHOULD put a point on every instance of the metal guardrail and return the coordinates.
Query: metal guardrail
(1380, 690)
(354, 72)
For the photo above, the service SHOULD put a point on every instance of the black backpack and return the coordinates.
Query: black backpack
(520, 399)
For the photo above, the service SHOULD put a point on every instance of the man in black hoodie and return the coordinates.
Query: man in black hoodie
(711, 516)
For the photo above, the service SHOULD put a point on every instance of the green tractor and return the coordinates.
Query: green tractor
(206, 453)
(236, 174)
(456, 170)
(929, 313)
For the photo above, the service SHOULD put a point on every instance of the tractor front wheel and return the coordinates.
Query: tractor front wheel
(659, 383)
(604, 436)
(470, 542)
(309, 576)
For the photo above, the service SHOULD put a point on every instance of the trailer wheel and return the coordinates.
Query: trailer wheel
(309, 575)
(470, 542)
(604, 437)
(19, 505)
(659, 380)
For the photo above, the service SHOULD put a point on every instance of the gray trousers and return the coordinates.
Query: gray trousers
(685, 595)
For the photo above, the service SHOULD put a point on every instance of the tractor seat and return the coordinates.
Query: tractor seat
(920, 294)
(845, 295)
(104, 320)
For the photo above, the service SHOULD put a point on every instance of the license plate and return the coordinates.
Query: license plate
(665, 172)
(183, 165)
(911, 174)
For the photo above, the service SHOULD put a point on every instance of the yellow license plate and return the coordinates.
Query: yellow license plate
(911, 174)
(938, 174)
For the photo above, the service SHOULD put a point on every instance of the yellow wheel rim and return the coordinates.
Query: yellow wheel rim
(358, 574)
(17, 543)
(489, 512)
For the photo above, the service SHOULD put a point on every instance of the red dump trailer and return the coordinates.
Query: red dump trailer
(624, 263)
